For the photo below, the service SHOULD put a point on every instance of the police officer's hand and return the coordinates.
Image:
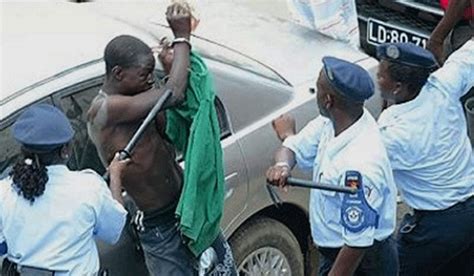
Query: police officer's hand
(179, 19)
(117, 166)
(284, 126)
(278, 174)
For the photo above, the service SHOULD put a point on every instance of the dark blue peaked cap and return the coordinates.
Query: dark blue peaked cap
(349, 79)
(407, 54)
(42, 128)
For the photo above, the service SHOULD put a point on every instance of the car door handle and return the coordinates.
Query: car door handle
(229, 185)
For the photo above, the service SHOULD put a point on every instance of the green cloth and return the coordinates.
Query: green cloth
(193, 128)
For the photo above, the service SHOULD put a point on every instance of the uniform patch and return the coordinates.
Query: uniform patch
(353, 216)
(356, 213)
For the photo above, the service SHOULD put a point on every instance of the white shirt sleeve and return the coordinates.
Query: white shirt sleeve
(374, 198)
(456, 76)
(305, 143)
(111, 217)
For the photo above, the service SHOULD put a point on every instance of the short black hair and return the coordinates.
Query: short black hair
(124, 51)
(413, 77)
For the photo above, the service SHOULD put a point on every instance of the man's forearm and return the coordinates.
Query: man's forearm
(452, 16)
(285, 155)
(347, 261)
(178, 77)
(116, 188)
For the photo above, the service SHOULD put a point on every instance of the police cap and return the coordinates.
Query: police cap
(42, 128)
(348, 79)
(407, 54)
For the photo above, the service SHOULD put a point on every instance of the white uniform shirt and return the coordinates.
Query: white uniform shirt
(358, 148)
(426, 138)
(57, 231)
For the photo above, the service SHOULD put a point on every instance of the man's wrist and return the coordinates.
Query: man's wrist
(181, 40)
(283, 164)
(186, 36)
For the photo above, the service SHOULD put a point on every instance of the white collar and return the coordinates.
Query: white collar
(336, 144)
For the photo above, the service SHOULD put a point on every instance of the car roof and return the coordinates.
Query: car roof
(50, 38)
(292, 50)
(39, 47)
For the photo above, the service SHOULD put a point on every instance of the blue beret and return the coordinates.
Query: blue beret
(42, 127)
(407, 54)
(349, 79)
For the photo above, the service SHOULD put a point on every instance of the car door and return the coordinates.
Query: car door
(248, 97)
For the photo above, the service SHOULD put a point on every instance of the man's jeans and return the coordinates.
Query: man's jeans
(166, 253)
(380, 259)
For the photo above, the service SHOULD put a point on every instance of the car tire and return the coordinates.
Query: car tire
(263, 237)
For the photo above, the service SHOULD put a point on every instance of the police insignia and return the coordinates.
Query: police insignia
(393, 52)
(353, 217)
(356, 213)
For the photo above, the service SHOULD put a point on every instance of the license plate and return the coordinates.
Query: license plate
(379, 32)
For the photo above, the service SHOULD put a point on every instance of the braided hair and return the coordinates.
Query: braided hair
(30, 175)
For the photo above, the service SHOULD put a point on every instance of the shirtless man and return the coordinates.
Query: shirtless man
(153, 179)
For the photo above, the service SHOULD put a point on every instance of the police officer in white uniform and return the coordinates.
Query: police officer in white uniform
(425, 134)
(49, 215)
(344, 147)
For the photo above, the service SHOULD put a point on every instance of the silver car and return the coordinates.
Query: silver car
(263, 66)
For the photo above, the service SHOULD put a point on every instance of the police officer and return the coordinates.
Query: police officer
(343, 147)
(424, 131)
(50, 215)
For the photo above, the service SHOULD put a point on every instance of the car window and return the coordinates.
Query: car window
(10, 149)
(75, 106)
(222, 118)
(247, 97)
(228, 56)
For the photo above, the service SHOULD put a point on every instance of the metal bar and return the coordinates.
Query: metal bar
(296, 182)
(127, 151)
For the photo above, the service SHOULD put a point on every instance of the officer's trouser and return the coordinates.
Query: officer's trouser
(438, 242)
(379, 259)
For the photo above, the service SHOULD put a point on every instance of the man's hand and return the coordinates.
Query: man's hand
(166, 54)
(179, 19)
(437, 48)
(284, 126)
(117, 167)
(278, 174)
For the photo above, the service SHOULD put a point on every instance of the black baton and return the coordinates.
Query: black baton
(127, 151)
(296, 182)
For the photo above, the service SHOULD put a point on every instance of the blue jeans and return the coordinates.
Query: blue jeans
(379, 259)
(438, 242)
(165, 252)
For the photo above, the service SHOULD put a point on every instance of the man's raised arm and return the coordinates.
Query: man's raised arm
(119, 108)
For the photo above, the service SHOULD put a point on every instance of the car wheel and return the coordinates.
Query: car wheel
(265, 246)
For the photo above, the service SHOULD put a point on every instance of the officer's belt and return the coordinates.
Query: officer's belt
(460, 204)
(13, 269)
